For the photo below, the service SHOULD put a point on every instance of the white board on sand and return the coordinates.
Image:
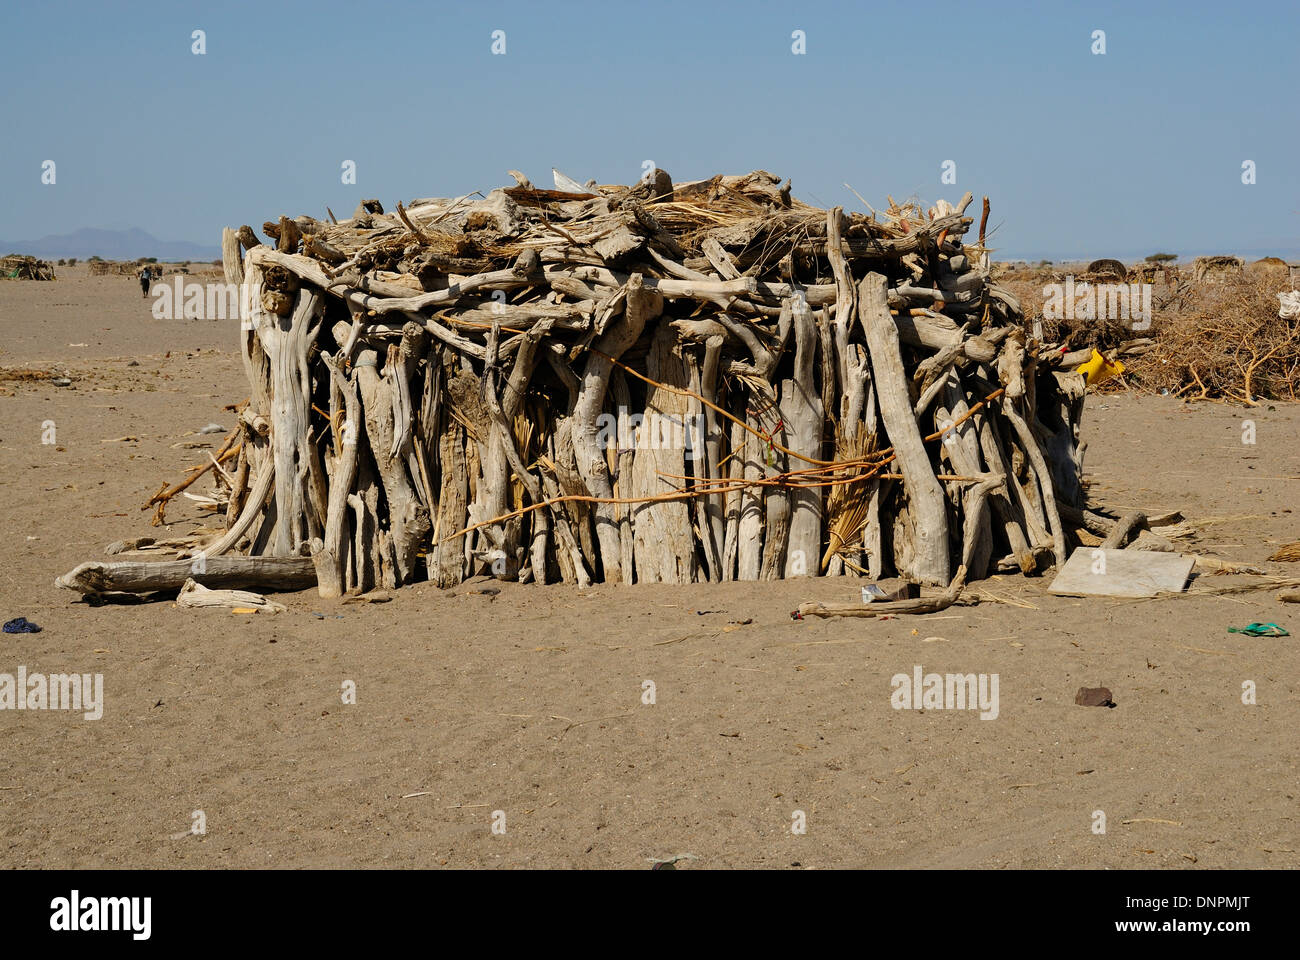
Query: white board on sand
(1093, 572)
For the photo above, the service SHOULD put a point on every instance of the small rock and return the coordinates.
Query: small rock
(134, 363)
(61, 382)
(213, 428)
(1094, 697)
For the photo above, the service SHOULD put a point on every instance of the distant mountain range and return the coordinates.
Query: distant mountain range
(129, 244)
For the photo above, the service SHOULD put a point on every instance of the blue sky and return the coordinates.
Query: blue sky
(1120, 154)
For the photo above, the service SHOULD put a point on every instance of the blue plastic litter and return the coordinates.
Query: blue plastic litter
(21, 625)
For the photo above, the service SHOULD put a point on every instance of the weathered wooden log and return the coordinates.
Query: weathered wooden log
(1126, 524)
(195, 595)
(851, 363)
(693, 438)
(287, 341)
(408, 520)
(231, 260)
(331, 560)
(500, 457)
(708, 433)
(448, 557)
(928, 527)
(920, 605)
(751, 523)
(125, 576)
(579, 513)
(623, 457)
(372, 566)
(572, 563)
(640, 307)
(961, 446)
(731, 517)
(664, 545)
(977, 543)
(238, 487)
(1044, 476)
(803, 415)
(501, 419)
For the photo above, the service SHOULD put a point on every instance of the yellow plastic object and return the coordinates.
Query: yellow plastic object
(1098, 369)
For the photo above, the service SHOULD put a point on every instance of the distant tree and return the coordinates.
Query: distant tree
(96, 259)
(1161, 257)
(72, 261)
(149, 260)
(61, 263)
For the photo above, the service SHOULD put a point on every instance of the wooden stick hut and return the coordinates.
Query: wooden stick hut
(660, 382)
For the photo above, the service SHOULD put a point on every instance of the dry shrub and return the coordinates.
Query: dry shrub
(1224, 341)
(1220, 341)
(25, 375)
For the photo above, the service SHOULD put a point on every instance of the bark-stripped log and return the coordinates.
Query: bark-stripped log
(801, 410)
(928, 526)
(257, 573)
(640, 307)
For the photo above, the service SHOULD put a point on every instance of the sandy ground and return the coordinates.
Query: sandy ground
(530, 702)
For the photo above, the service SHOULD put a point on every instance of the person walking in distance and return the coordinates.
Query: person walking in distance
(145, 275)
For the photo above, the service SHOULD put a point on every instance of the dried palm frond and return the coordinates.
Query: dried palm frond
(847, 504)
(1288, 552)
(523, 429)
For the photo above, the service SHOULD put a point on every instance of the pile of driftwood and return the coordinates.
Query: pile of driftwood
(650, 383)
(113, 268)
(129, 268)
(19, 267)
(1217, 269)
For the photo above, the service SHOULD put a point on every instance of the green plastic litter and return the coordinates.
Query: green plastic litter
(1260, 630)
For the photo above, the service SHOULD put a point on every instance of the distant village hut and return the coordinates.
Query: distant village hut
(1217, 269)
(18, 267)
